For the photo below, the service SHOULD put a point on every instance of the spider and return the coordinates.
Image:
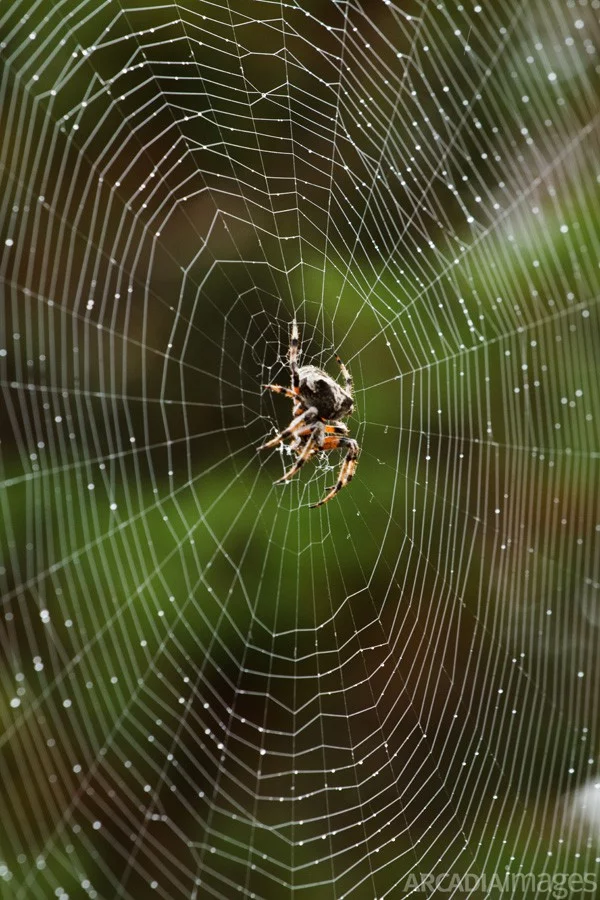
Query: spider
(319, 405)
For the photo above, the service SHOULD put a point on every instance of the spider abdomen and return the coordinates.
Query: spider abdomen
(318, 389)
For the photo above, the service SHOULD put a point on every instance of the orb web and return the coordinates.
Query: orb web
(208, 688)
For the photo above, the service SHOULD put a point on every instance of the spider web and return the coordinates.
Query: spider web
(209, 689)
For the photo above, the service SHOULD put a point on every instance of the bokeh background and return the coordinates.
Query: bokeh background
(208, 688)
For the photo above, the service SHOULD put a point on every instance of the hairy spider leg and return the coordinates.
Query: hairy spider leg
(300, 438)
(312, 446)
(347, 376)
(279, 389)
(292, 393)
(323, 442)
(332, 440)
(338, 428)
(307, 451)
(309, 415)
(294, 343)
(348, 466)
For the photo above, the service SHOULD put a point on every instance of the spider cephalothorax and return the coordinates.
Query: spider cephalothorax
(319, 404)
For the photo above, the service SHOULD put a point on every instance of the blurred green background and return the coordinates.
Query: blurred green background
(210, 689)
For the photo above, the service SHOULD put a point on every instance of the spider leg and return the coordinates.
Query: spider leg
(347, 376)
(339, 428)
(332, 440)
(278, 389)
(294, 342)
(348, 466)
(308, 450)
(306, 418)
(292, 393)
(312, 446)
